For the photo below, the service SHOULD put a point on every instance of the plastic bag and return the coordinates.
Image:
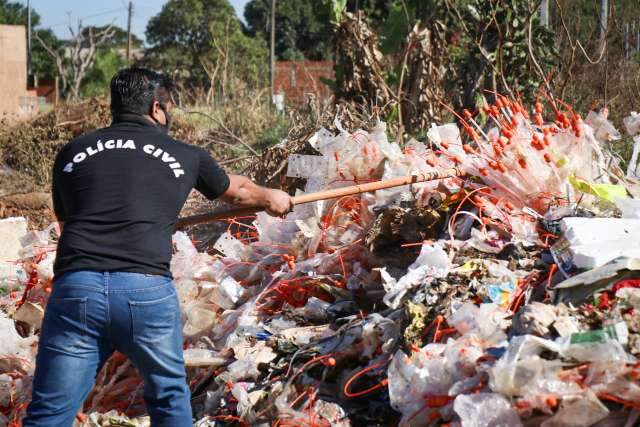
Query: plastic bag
(231, 247)
(227, 294)
(632, 123)
(19, 350)
(411, 379)
(534, 318)
(203, 357)
(35, 243)
(485, 410)
(597, 345)
(486, 321)
(613, 378)
(603, 129)
(432, 262)
(578, 411)
(633, 168)
(522, 372)
(45, 267)
(315, 310)
(200, 319)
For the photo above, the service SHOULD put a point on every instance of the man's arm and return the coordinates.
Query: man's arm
(58, 205)
(243, 192)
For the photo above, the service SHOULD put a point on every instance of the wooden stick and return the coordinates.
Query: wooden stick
(325, 195)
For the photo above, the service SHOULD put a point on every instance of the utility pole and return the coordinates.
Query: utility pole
(129, 30)
(272, 54)
(626, 41)
(544, 13)
(30, 82)
(638, 39)
(604, 17)
(56, 92)
(633, 31)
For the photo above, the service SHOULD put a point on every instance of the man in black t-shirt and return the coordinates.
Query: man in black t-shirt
(117, 194)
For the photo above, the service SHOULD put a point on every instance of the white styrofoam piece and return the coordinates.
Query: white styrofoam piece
(585, 231)
(11, 231)
(630, 208)
(597, 254)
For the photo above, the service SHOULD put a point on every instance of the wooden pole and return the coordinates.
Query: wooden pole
(626, 41)
(544, 13)
(30, 82)
(632, 32)
(604, 18)
(272, 52)
(56, 90)
(129, 30)
(325, 195)
(638, 39)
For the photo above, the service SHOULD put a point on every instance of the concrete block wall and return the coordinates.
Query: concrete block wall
(15, 100)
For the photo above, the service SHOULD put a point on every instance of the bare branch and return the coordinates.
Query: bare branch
(226, 130)
(577, 43)
(82, 55)
(533, 57)
(56, 56)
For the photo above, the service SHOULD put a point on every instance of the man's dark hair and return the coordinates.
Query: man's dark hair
(133, 90)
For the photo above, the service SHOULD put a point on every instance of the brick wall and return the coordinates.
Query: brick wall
(298, 79)
(46, 90)
(16, 101)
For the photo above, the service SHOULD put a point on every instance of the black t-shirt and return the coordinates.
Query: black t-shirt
(119, 191)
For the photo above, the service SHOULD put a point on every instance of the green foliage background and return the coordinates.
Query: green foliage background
(187, 31)
(96, 83)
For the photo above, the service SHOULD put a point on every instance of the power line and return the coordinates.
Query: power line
(107, 12)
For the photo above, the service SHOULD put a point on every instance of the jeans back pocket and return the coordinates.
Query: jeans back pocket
(155, 320)
(65, 324)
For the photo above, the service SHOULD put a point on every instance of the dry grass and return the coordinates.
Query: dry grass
(30, 147)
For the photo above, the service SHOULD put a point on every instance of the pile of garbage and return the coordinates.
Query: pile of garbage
(505, 297)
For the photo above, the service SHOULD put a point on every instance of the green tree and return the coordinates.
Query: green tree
(96, 82)
(13, 13)
(188, 36)
(109, 59)
(303, 29)
(119, 39)
(489, 46)
(41, 62)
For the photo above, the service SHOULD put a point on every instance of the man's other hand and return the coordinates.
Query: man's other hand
(279, 203)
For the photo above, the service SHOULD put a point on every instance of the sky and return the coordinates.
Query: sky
(55, 14)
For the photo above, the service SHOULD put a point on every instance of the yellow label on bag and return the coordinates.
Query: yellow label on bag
(608, 192)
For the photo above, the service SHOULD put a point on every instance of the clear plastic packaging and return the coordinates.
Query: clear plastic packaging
(432, 262)
(485, 410)
(580, 410)
(202, 357)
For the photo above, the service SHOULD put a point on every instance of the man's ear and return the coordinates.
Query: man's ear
(157, 113)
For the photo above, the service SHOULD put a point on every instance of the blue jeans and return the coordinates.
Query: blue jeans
(88, 316)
